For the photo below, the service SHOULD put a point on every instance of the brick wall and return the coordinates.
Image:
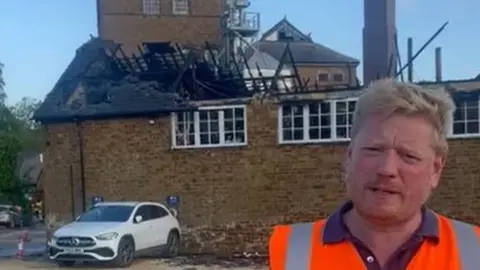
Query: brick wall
(124, 22)
(230, 197)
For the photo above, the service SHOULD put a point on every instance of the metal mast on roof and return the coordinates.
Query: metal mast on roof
(240, 28)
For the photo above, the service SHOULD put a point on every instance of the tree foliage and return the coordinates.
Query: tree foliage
(17, 132)
(3, 95)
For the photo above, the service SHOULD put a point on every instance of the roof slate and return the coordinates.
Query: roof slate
(304, 49)
(303, 52)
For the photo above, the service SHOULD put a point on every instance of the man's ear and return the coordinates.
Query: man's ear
(438, 165)
(346, 161)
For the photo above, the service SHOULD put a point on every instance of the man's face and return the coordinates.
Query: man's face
(392, 167)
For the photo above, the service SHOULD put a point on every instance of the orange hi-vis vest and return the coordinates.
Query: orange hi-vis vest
(300, 247)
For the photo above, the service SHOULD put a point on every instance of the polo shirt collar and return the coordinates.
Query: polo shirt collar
(335, 230)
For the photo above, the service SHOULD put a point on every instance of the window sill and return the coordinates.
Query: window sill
(176, 147)
(330, 141)
(463, 136)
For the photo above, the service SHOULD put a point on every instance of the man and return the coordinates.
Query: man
(394, 160)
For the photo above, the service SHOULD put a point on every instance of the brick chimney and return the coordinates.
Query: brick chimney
(379, 31)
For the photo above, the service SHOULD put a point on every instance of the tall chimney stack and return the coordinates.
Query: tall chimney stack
(438, 64)
(409, 59)
(379, 31)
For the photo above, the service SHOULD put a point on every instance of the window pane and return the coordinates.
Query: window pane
(203, 115)
(287, 110)
(239, 113)
(472, 127)
(351, 106)
(287, 122)
(228, 114)
(341, 107)
(214, 126)
(203, 126)
(350, 118)
(228, 126)
(313, 108)
(325, 107)
(240, 137)
(341, 119)
(298, 110)
(298, 122)
(181, 117)
(326, 133)
(213, 115)
(229, 137)
(459, 114)
(472, 113)
(298, 134)
(214, 138)
(287, 135)
(342, 132)
(459, 128)
(239, 125)
(314, 133)
(191, 139)
(204, 139)
(314, 121)
(325, 120)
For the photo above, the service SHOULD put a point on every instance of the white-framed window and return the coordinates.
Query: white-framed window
(323, 121)
(210, 127)
(180, 7)
(466, 119)
(151, 7)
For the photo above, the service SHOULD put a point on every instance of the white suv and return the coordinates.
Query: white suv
(117, 232)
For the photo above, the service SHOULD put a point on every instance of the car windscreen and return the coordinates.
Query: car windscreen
(107, 213)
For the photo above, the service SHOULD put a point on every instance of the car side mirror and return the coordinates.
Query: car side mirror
(138, 219)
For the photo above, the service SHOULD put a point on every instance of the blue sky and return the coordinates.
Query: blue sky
(39, 38)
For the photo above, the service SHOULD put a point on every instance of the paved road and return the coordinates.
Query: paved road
(9, 241)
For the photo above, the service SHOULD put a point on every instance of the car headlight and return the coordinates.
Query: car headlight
(107, 236)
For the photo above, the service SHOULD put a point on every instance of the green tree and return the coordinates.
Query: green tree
(17, 132)
(3, 95)
(28, 131)
(23, 111)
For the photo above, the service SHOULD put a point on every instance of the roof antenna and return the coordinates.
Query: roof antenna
(422, 48)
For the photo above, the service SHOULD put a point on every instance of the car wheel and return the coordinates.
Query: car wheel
(65, 263)
(11, 223)
(173, 244)
(125, 253)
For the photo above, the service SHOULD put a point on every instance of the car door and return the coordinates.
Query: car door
(161, 224)
(141, 230)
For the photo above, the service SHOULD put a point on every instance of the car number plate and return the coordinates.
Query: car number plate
(74, 250)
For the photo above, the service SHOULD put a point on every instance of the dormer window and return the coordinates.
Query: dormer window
(285, 36)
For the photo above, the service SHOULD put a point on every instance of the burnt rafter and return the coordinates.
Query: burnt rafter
(197, 73)
(103, 80)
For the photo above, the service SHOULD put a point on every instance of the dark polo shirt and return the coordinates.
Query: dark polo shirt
(336, 231)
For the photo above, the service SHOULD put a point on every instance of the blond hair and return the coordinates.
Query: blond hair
(390, 96)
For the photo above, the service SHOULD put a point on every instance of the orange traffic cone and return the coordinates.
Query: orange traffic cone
(21, 244)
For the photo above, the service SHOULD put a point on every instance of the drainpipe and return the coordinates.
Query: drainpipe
(82, 164)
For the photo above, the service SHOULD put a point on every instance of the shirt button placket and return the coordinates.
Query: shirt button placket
(370, 259)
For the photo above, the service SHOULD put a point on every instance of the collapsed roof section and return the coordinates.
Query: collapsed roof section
(103, 82)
